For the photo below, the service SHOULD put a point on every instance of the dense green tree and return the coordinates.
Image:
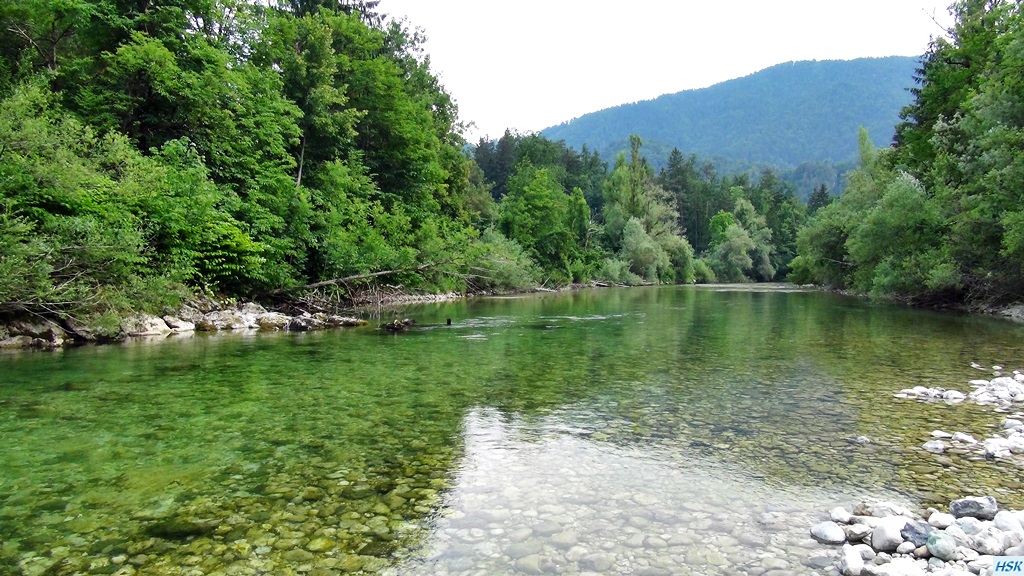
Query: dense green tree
(572, 169)
(730, 259)
(884, 236)
(110, 224)
(783, 213)
(697, 195)
(719, 224)
(741, 248)
(540, 216)
(951, 70)
(631, 193)
(240, 147)
(818, 199)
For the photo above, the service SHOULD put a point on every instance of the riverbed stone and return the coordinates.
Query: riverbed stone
(565, 539)
(997, 447)
(178, 325)
(980, 565)
(1007, 521)
(530, 564)
(983, 507)
(942, 545)
(964, 438)
(145, 325)
(1014, 551)
(905, 548)
(954, 396)
(518, 550)
(935, 446)
(941, 520)
(600, 563)
(866, 552)
(520, 534)
(320, 545)
(1016, 444)
(881, 509)
(304, 323)
(547, 527)
(270, 321)
(840, 515)
(969, 525)
(828, 533)
(850, 563)
(351, 563)
(298, 555)
(857, 532)
(989, 541)
(897, 567)
(887, 536)
(962, 538)
(916, 532)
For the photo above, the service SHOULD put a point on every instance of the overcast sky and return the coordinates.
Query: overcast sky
(531, 64)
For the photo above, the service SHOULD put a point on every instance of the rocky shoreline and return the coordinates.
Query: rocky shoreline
(204, 314)
(887, 539)
(201, 315)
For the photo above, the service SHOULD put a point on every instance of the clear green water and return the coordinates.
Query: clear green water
(611, 431)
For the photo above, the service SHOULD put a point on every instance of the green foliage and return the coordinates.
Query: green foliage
(937, 219)
(225, 147)
(718, 226)
(897, 243)
(618, 271)
(110, 218)
(818, 199)
(498, 159)
(702, 272)
(497, 263)
(640, 223)
(539, 215)
(646, 258)
(822, 249)
(730, 259)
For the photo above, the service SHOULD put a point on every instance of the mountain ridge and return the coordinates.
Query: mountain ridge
(784, 115)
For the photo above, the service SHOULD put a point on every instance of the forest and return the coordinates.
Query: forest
(154, 150)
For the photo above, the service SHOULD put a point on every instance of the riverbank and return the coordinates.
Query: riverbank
(204, 314)
(885, 538)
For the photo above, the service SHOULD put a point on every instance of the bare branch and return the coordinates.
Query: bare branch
(342, 281)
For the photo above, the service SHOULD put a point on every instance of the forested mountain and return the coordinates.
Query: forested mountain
(783, 116)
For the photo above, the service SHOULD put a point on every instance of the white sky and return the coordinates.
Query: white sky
(531, 64)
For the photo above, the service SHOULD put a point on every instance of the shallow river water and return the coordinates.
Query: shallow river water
(652, 431)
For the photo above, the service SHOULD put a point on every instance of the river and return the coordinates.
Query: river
(647, 431)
